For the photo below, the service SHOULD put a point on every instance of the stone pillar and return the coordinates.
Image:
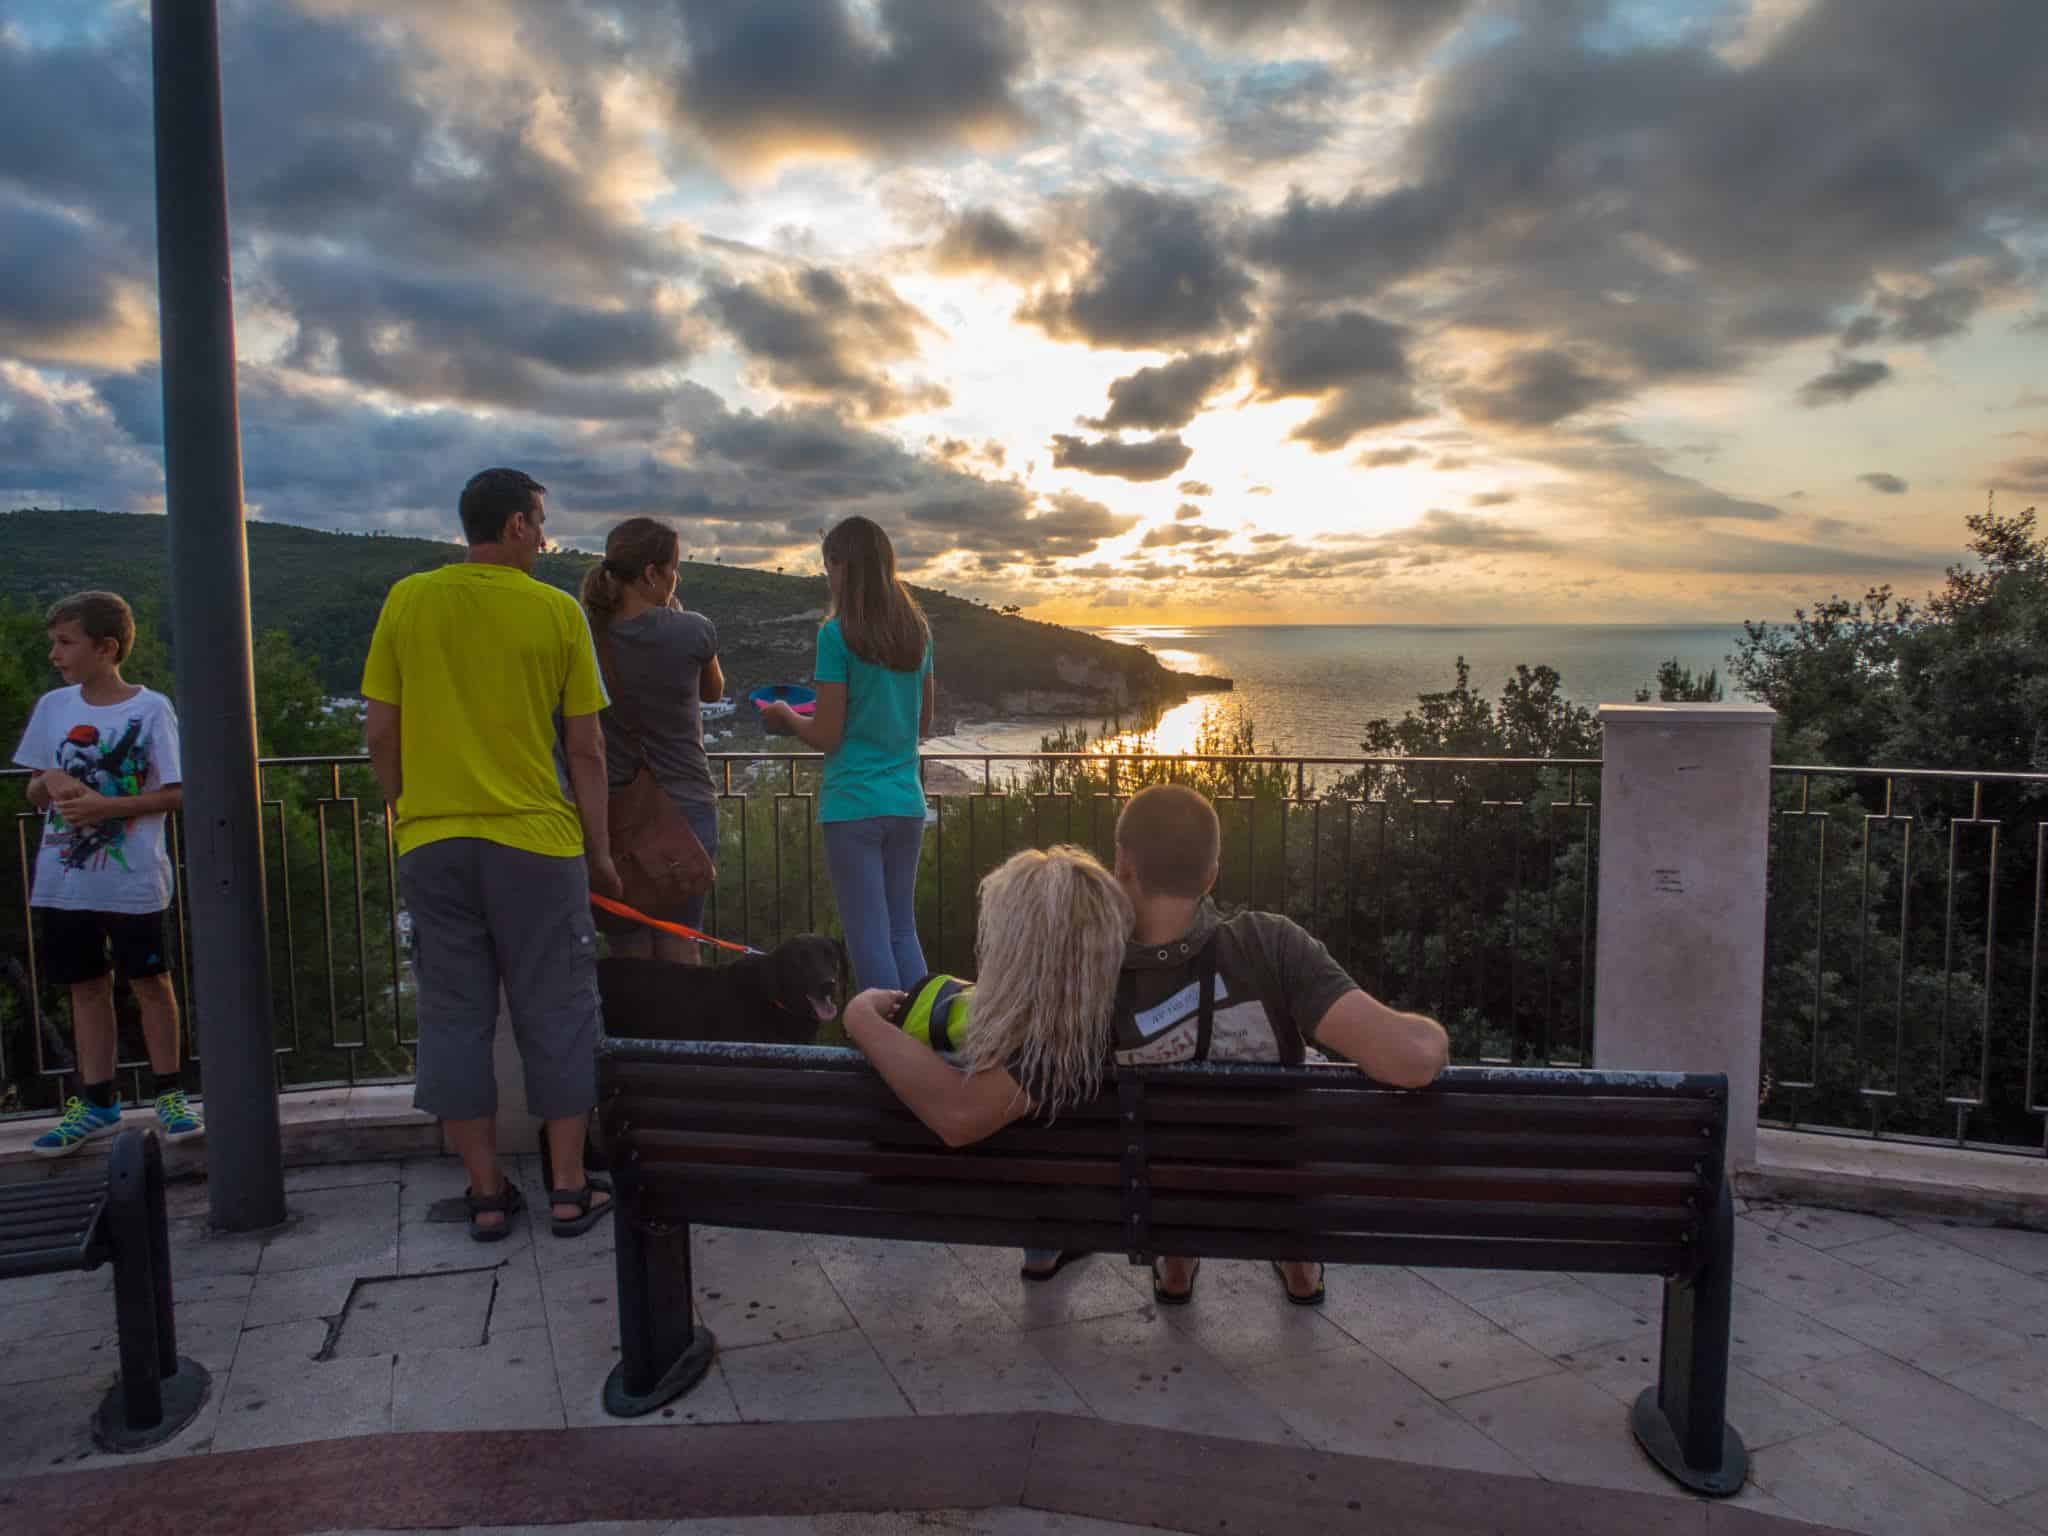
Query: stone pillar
(1685, 799)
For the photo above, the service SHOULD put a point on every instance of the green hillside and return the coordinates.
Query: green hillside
(324, 590)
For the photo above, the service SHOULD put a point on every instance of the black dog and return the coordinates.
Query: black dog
(780, 998)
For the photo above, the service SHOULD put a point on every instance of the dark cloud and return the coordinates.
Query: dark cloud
(1356, 363)
(55, 447)
(1152, 458)
(1862, 331)
(1173, 535)
(53, 147)
(1159, 274)
(1011, 528)
(981, 239)
(66, 292)
(1537, 388)
(1890, 485)
(1170, 395)
(1383, 458)
(1849, 377)
(824, 334)
(1743, 554)
(1196, 488)
(1187, 512)
(773, 77)
(1636, 201)
(466, 339)
(1452, 530)
(2028, 476)
(1617, 472)
(1493, 498)
(1934, 315)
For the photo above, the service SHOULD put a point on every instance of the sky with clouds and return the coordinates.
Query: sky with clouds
(1126, 311)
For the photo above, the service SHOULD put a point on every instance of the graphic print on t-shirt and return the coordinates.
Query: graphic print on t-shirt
(115, 769)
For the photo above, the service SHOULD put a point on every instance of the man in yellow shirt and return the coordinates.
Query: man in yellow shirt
(477, 674)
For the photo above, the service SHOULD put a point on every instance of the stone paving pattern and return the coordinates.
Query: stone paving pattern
(1889, 1376)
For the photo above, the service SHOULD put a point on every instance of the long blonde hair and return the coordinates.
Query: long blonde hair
(878, 618)
(1047, 948)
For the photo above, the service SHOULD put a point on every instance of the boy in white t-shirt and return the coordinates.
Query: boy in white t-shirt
(106, 773)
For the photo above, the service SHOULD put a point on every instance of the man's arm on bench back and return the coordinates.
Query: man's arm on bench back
(1402, 1050)
(959, 1108)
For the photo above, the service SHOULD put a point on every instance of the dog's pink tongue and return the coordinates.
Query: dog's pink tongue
(824, 1009)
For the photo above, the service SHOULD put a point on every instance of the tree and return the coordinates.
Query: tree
(1899, 973)
(1676, 684)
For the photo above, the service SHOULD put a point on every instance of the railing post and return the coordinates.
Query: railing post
(210, 625)
(1685, 797)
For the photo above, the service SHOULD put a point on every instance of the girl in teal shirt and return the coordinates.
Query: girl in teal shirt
(875, 699)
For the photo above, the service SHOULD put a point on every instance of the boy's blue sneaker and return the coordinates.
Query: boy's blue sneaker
(174, 1117)
(82, 1122)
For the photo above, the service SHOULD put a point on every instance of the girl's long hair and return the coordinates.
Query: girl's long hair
(629, 549)
(878, 618)
(1047, 948)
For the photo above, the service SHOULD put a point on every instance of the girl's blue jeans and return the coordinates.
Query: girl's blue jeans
(874, 879)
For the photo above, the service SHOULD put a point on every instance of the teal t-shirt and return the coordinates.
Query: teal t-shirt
(874, 772)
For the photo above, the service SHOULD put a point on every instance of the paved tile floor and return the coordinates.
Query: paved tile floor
(1889, 1376)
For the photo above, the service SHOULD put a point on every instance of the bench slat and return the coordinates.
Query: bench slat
(54, 1194)
(53, 1224)
(19, 1264)
(1365, 1105)
(621, 1054)
(1448, 1252)
(1558, 1186)
(679, 1196)
(1676, 1153)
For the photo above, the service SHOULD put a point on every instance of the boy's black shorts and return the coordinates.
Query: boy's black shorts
(75, 944)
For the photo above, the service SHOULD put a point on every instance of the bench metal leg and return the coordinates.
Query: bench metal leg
(662, 1350)
(158, 1393)
(1682, 1422)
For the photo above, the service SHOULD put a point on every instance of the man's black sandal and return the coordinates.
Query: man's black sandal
(588, 1212)
(507, 1202)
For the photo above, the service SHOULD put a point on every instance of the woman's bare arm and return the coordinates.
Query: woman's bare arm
(959, 1108)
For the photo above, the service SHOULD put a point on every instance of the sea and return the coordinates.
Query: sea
(1308, 690)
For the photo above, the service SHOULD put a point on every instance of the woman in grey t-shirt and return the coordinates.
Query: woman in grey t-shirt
(660, 665)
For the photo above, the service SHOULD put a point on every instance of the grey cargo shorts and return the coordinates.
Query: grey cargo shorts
(486, 916)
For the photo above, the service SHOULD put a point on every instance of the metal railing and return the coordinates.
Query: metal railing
(1462, 886)
(1903, 968)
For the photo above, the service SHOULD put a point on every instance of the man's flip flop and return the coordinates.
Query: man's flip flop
(507, 1202)
(1066, 1257)
(1167, 1298)
(588, 1212)
(1313, 1299)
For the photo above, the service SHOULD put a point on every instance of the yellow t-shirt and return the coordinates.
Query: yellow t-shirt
(482, 661)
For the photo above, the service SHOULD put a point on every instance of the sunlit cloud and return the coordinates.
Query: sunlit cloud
(1298, 310)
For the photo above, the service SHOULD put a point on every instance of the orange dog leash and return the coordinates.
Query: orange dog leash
(632, 914)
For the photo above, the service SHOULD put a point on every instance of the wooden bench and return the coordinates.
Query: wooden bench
(115, 1214)
(1619, 1172)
